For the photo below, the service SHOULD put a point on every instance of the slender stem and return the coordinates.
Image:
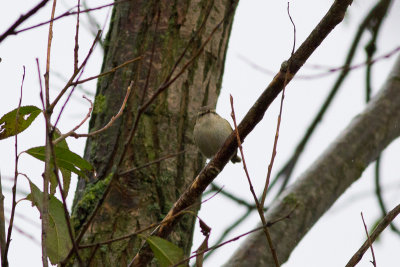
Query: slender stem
(369, 241)
(2, 226)
(377, 231)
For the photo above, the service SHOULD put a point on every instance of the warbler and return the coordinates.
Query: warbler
(210, 133)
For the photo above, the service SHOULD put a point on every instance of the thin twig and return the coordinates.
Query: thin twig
(2, 226)
(229, 229)
(377, 231)
(266, 225)
(329, 71)
(369, 241)
(11, 29)
(69, 13)
(234, 198)
(107, 72)
(76, 49)
(47, 116)
(73, 76)
(24, 233)
(146, 228)
(113, 118)
(72, 132)
(259, 207)
(68, 97)
(14, 188)
(152, 162)
(378, 193)
(278, 124)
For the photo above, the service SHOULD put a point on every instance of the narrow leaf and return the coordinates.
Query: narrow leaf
(165, 252)
(200, 257)
(58, 239)
(9, 126)
(65, 159)
(66, 174)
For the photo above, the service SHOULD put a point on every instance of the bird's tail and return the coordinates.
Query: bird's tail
(236, 159)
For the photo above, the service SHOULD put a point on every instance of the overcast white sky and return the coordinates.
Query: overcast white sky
(262, 33)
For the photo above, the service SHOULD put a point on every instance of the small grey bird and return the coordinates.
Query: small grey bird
(210, 133)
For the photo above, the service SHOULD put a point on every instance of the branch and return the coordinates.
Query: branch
(288, 168)
(47, 168)
(369, 241)
(258, 205)
(378, 230)
(11, 30)
(72, 132)
(336, 169)
(266, 225)
(2, 224)
(69, 13)
(4, 250)
(334, 16)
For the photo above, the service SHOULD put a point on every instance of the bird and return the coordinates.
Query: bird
(210, 132)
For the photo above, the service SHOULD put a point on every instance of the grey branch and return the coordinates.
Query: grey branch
(336, 169)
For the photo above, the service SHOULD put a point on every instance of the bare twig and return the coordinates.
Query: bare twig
(47, 116)
(80, 73)
(76, 49)
(152, 162)
(234, 198)
(146, 228)
(378, 193)
(69, 13)
(278, 124)
(4, 255)
(235, 224)
(113, 119)
(329, 71)
(369, 241)
(72, 132)
(266, 225)
(108, 72)
(22, 18)
(259, 207)
(73, 76)
(2, 225)
(26, 234)
(377, 231)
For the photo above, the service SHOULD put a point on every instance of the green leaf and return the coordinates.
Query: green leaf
(65, 159)
(9, 125)
(165, 252)
(58, 240)
(66, 174)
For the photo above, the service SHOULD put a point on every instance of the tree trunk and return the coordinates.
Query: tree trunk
(326, 180)
(158, 31)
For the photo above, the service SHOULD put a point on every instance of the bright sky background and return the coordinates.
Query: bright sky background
(263, 34)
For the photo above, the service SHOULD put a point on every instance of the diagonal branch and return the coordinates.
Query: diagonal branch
(378, 230)
(334, 16)
(336, 169)
(22, 18)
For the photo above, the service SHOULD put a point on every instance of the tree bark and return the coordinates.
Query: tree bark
(158, 31)
(326, 180)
